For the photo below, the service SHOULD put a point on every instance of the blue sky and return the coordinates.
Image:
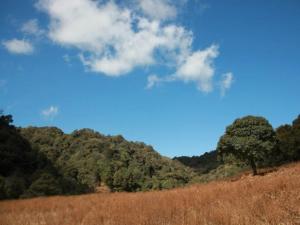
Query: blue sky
(172, 74)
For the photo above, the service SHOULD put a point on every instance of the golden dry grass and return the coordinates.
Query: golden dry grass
(270, 199)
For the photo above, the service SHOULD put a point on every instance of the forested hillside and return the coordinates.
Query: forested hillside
(249, 140)
(203, 163)
(45, 161)
(38, 161)
(211, 167)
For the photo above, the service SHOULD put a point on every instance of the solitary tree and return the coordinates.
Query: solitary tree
(249, 139)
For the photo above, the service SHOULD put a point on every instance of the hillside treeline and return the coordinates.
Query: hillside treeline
(285, 147)
(46, 161)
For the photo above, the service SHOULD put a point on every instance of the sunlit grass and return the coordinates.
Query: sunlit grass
(270, 199)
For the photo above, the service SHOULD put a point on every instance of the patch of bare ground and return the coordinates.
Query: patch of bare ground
(261, 200)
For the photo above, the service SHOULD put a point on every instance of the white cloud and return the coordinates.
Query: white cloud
(114, 40)
(152, 81)
(226, 82)
(85, 24)
(16, 46)
(50, 112)
(158, 9)
(32, 27)
(112, 45)
(198, 68)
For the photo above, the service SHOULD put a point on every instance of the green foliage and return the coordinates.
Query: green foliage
(221, 172)
(45, 185)
(201, 164)
(15, 151)
(86, 158)
(46, 161)
(14, 186)
(249, 139)
(210, 166)
(289, 141)
(83, 160)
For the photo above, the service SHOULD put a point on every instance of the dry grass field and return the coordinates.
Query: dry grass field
(270, 199)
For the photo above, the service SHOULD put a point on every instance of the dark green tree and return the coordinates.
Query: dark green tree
(249, 139)
(289, 141)
(45, 185)
(46, 161)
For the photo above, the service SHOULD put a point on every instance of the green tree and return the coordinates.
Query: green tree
(289, 141)
(14, 186)
(45, 185)
(249, 139)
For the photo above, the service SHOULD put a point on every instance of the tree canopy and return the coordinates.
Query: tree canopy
(46, 161)
(249, 139)
(38, 161)
(289, 141)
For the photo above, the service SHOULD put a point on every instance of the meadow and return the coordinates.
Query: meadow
(272, 198)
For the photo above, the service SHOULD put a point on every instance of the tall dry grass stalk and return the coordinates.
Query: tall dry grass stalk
(261, 200)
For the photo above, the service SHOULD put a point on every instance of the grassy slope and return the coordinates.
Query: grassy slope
(270, 199)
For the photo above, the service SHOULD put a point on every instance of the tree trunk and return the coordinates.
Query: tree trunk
(253, 166)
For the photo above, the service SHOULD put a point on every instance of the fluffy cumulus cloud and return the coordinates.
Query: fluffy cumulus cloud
(198, 67)
(226, 82)
(16, 46)
(114, 40)
(50, 112)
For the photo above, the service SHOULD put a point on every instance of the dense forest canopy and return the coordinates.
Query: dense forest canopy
(44, 161)
(37, 161)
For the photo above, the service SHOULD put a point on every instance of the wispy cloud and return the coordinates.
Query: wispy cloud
(19, 47)
(158, 9)
(226, 83)
(50, 113)
(32, 27)
(197, 68)
(153, 80)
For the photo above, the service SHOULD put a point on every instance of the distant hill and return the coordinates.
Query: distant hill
(208, 167)
(39, 161)
(203, 163)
